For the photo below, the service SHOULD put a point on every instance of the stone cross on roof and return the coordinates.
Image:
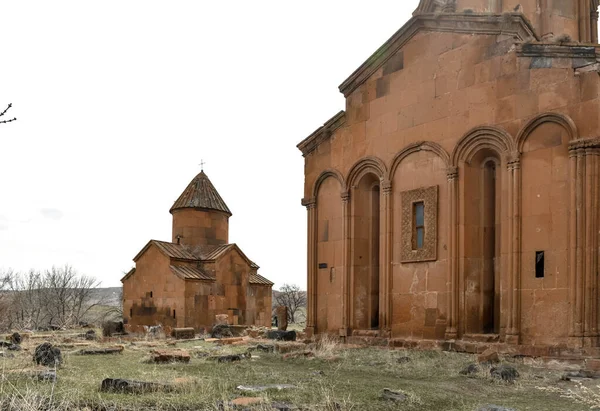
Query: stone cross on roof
(202, 162)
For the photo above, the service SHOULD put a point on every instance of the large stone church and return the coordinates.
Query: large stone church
(457, 196)
(198, 275)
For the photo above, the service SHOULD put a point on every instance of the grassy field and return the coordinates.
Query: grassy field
(338, 378)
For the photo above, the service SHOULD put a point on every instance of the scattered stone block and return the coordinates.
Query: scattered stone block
(489, 356)
(284, 348)
(470, 369)
(16, 338)
(505, 373)
(230, 358)
(388, 394)
(580, 375)
(102, 351)
(48, 355)
(246, 401)
(165, 356)
(282, 318)
(231, 340)
(14, 347)
(261, 388)
(48, 375)
(403, 360)
(132, 387)
(282, 335)
(221, 319)
(183, 333)
(262, 348)
(221, 331)
(592, 364)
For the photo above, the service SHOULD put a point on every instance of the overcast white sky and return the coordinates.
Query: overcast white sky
(118, 101)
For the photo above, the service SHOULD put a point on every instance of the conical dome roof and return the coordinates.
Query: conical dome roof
(200, 193)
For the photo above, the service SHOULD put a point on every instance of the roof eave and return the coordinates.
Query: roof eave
(311, 142)
(467, 23)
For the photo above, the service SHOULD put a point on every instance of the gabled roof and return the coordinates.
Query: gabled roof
(172, 250)
(198, 254)
(129, 274)
(514, 24)
(192, 273)
(259, 280)
(200, 193)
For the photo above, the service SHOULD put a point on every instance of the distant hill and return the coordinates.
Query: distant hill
(109, 296)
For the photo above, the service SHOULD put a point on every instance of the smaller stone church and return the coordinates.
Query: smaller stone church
(187, 282)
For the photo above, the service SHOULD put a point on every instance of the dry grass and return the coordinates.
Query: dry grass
(337, 378)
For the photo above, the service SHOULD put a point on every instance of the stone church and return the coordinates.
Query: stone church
(456, 197)
(187, 282)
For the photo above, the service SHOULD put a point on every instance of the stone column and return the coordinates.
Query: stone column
(514, 263)
(452, 279)
(575, 327)
(594, 18)
(311, 306)
(345, 330)
(590, 331)
(385, 261)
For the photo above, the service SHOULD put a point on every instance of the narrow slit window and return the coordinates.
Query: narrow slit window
(419, 225)
(131, 313)
(173, 313)
(150, 294)
(539, 264)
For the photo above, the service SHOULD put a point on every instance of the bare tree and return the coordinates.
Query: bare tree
(293, 298)
(58, 297)
(4, 112)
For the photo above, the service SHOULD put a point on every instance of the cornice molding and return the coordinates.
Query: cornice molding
(553, 50)
(311, 142)
(477, 23)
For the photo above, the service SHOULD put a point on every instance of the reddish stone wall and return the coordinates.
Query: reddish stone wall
(233, 273)
(199, 227)
(330, 255)
(258, 309)
(153, 275)
(436, 114)
(419, 291)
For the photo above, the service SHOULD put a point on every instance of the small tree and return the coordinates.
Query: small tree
(4, 112)
(293, 298)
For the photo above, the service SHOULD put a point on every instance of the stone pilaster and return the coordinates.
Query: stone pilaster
(385, 301)
(311, 306)
(583, 242)
(452, 279)
(513, 329)
(594, 18)
(345, 330)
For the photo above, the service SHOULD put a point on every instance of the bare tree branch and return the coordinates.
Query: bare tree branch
(4, 112)
(293, 298)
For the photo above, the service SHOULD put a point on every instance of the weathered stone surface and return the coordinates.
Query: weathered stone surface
(183, 333)
(90, 335)
(298, 354)
(233, 358)
(388, 394)
(166, 356)
(282, 335)
(580, 375)
(14, 347)
(48, 355)
(403, 360)
(263, 348)
(132, 387)
(48, 375)
(489, 356)
(221, 331)
(260, 388)
(16, 338)
(221, 319)
(246, 401)
(102, 351)
(470, 370)
(282, 318)
(505, 373)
